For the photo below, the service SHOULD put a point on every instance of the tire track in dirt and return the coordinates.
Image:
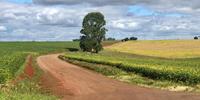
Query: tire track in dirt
(75, 83)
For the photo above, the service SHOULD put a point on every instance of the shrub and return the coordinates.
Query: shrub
(133, 38)
(124, 40)
(196, 38)
(110, 39)
(76, 40)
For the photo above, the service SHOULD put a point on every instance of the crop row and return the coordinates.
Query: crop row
(13, 54)
(184, 75)
(10, 64)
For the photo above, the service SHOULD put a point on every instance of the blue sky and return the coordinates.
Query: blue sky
(20, 1)
(53, 20)
(140, 10)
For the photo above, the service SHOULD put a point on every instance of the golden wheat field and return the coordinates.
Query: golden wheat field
(160, 48)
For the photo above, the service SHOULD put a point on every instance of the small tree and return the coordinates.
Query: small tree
(133, 38)
(76, 40)
(196, 38)
(93, 32)
(110, 39)
(124, 40)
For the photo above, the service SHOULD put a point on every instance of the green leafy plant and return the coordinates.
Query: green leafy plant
(93, 32)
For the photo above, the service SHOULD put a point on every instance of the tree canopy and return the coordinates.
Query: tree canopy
(93, 32)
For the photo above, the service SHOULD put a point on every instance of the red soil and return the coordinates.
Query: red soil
(75, 83)
(28, 71)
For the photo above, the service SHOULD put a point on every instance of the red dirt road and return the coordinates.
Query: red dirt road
(76, 83)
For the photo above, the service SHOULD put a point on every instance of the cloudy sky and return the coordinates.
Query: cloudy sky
(58, 20)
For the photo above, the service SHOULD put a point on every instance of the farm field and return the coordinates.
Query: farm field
(164, 67)
(13, 54)
(12, 59)
(145, 70)
(160, 48)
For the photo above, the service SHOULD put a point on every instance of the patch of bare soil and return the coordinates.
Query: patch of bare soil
(75, 83)
(28, 71)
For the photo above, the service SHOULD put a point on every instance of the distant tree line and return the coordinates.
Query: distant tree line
(110, 39)
(76, 40)
(105, 39)
(196, 37)
(113, 39)
(128, 39)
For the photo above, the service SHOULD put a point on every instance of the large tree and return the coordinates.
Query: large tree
(93, 32)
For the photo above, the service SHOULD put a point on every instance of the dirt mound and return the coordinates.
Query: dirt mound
(75, 83)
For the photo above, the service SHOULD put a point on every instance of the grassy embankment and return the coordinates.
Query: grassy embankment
(161, 64)
(12, 60)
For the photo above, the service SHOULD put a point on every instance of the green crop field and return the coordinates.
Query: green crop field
(149, 69)
(13, 56)
(183, 69)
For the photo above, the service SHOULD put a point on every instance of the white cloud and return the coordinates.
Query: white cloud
(9, 16)
(124, 24)
(194, 4)
(3, 28)
(57, 16)
(61, 22)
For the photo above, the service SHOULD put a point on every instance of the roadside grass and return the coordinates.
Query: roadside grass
(12, 63)
(160, 48)
(27, 88)
(132, 78)
(178, 70)
(184, 72)
(25, 96)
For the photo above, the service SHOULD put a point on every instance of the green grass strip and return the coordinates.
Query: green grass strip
(157, 74)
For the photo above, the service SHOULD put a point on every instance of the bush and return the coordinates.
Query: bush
(76, 40)
(72, 49)
(126, 39)
(110, 39)
(133, 38)
(196, 38)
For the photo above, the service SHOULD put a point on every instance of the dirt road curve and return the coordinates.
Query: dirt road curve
(76, 83)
